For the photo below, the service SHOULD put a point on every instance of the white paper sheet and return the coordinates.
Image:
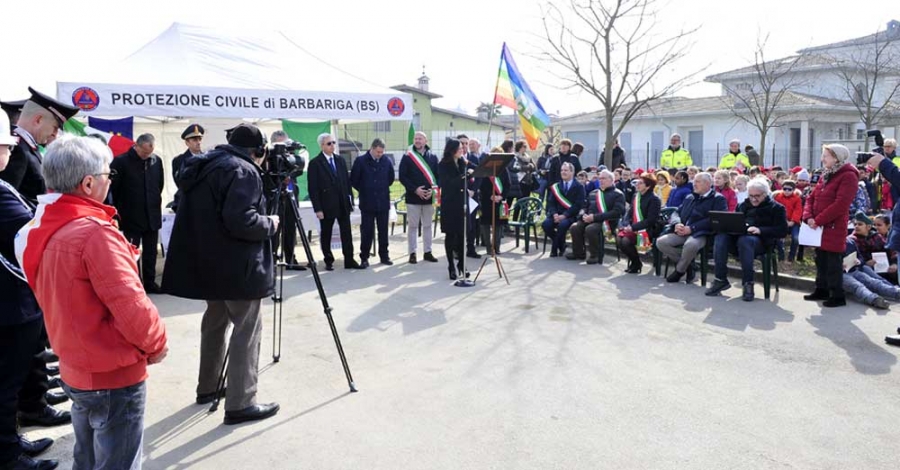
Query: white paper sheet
(473, 205)
(881, 262)
(850, 261)
(809, 236)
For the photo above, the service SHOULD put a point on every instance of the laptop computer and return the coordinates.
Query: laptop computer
(728, 222)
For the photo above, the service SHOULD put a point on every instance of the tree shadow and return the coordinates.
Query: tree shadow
(735, 314)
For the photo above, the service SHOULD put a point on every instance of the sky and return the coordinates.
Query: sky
(388, 42)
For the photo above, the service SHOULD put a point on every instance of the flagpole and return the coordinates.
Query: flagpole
(490, 113)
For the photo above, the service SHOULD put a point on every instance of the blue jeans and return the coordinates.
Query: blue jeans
(866, 285)
(109, 427)
(746, 247)
(795, 244)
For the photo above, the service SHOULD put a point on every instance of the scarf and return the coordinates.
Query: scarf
(54, 211)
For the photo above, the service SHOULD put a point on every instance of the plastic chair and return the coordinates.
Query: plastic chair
(400, 213)
(529, 210)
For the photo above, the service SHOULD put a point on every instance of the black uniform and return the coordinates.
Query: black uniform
(454, 200)
(23, 171)
(137, 195)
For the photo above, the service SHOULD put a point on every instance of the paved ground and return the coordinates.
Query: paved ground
(569, 367)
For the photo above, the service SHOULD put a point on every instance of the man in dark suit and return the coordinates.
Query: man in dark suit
(372, 176)
(137, 194)
(565, 155)
(329, 192)
(565, 200)
(473, 157)
(193, 139)
(39, 122)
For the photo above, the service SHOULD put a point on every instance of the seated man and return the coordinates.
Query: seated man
(766, 224)
(867, 241)
(688, 236)
(566, 199)
(604, 208)
(863, 284)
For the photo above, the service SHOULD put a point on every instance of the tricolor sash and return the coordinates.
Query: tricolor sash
(423, 165)
(601, 206)
(643, 236)
(498, 185)
(557, 191)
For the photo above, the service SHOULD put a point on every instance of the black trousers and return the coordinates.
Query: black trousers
(346, 237)
(370, 221)
(31, 394)
(453, 246)
(17, 347)
(289, 228)
(149, 241)
(829, 272)
(471, 230)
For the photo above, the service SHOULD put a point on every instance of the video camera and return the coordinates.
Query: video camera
(863, 157)
(284, 159)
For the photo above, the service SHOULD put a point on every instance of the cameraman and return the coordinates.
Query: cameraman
(891, 173)
(289, 227)
(220, 252)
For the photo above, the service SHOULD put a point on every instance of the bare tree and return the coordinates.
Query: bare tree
(614, 51)
(760, 99)
(490, 110)
(869, 76)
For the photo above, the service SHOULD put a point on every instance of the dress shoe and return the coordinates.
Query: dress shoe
(573, 256)
(352, 264)
(412, 259)
(473, 254)
(429, 257)
(47, 356)
(55, 382)
(55, 398)
(635, 268)
(329, 266)
(251, 413)
(25, 462)
(453, 276)
(835, 302)
(818, 294)
(691, 274)
(387, 262)
(880, 303)
(717, 287)
(892, 340)
(48, 416)
(674, 277)
(593, 260)
(51, 370)
(364, 264)
(35, 448)
(554, 253)
(748, 292)
(204, 398)
(295, 267)
(152, 288)
(898, 330)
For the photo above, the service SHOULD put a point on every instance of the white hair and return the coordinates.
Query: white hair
(70, 158)
(478, 142)
(322, 138)
(704, 176)
(567, 164)
(761, 184)
(605, 173)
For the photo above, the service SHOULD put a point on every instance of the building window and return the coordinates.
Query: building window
(840, 133)
(383, 126)
(860, 134)
(417, 121)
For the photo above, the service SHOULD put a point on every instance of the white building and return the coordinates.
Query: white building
(818, 110)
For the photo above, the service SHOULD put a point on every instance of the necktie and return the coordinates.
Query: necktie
(333, 169)
(565, 187)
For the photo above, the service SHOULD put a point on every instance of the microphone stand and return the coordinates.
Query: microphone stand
(462, 278)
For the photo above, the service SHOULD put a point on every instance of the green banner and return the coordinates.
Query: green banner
(307, 134)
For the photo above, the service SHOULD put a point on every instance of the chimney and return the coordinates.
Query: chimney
(893, 29)
(423, 80)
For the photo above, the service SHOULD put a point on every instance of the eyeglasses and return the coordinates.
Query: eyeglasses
(330, 143)
(111, 174)
(756, 196)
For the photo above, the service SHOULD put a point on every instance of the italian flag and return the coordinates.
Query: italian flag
(117, 143)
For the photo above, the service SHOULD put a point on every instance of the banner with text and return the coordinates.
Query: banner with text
(105, 99)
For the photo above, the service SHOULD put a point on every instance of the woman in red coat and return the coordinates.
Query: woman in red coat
(828, 206)
(722, 181)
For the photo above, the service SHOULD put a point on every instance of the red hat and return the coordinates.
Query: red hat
(639, 171)
(796, 169)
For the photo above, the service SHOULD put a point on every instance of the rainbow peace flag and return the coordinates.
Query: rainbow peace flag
(514, 93)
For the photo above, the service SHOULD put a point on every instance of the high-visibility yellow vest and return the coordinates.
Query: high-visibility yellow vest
(680, 158)
(729, 160)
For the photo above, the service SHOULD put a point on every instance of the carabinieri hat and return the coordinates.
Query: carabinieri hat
(194, 130)
(60, 111)
(12, 106)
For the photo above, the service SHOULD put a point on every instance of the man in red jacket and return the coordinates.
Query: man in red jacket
(793, 206)
(72, 254)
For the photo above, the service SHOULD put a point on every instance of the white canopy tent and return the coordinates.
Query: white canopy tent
(193, 74)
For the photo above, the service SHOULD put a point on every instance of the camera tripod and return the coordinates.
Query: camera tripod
(278, 300)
